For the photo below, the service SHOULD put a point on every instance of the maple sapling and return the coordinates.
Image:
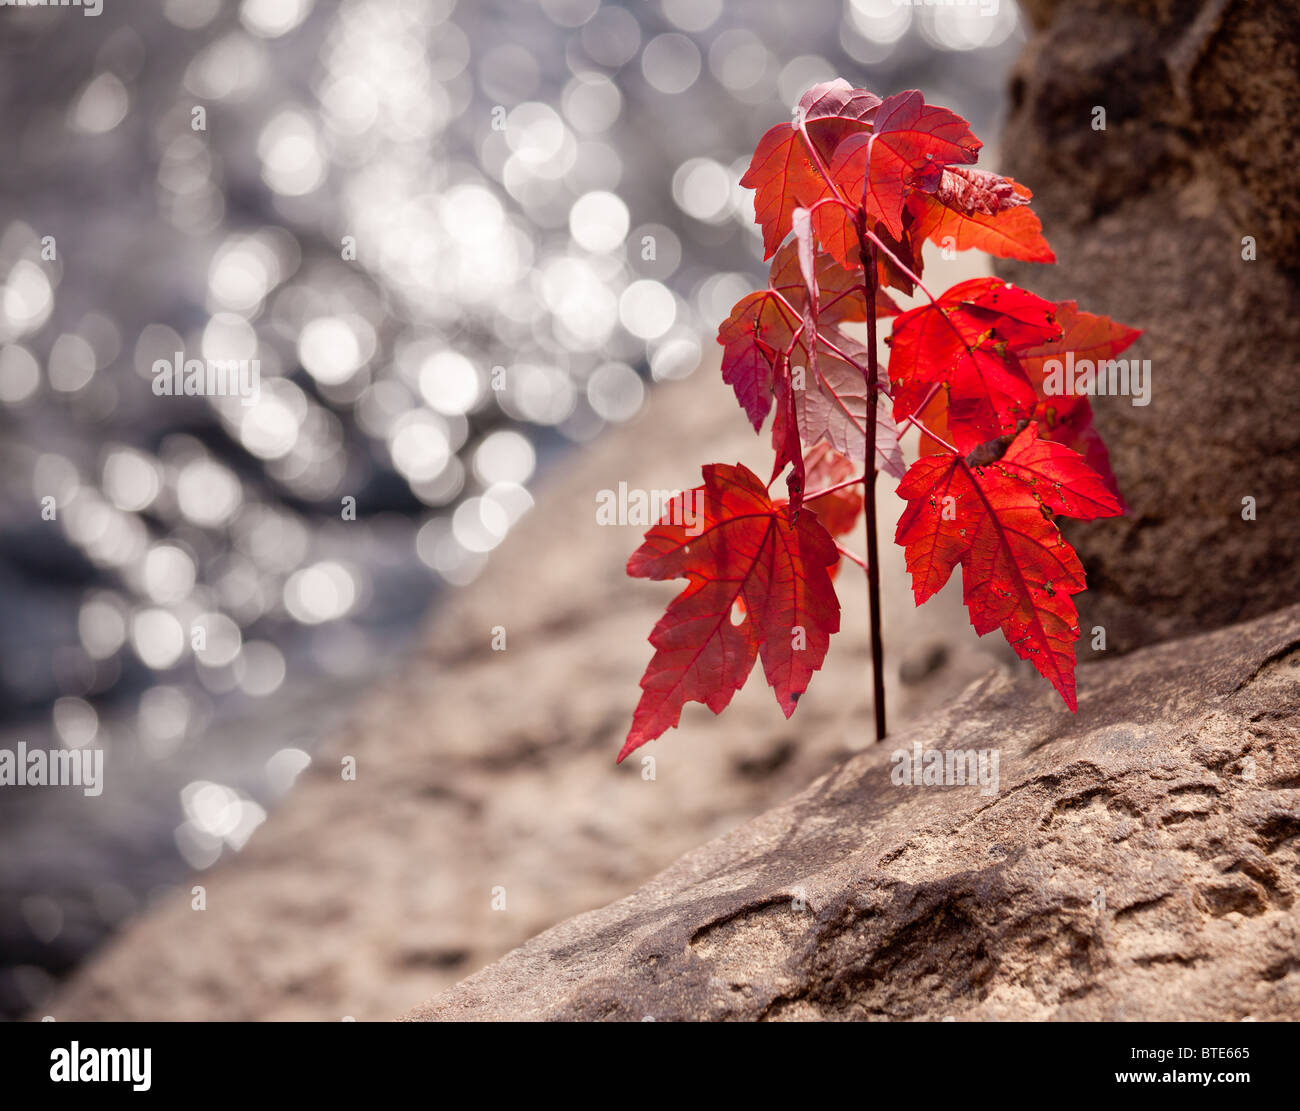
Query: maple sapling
(846, 195)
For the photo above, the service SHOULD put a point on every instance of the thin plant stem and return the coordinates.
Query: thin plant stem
(867, 253)
(831, 489)
(851, 555)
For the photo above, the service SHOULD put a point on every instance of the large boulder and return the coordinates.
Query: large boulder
(1148, 219)
(1140, 860)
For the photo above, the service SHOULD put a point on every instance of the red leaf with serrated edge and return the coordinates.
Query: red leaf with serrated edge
(1068, 421)
(1009, 231)
(839, 99)
(1066, 418)
(1058, 476)
(1015, 233)
(1085, 335)
(784, 177)
(754, 338)
(763, 325)
(932, 536)
(737, 545)
(909, 144)
(995, 520)
(784, 171)
(966, 342)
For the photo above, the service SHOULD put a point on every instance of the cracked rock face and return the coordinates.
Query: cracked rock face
(1140, 860)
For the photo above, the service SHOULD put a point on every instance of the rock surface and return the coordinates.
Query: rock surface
(1147, 218)
(1140, 860)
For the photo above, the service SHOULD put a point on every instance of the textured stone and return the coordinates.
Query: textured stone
(1140, 860)
(1147, 219)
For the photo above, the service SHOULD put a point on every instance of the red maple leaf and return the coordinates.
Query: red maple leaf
(907, 148)
(838, 99)
(966, 342)
(784, 170)
(762, 325)
(733, 544)
(995, 519)
(1067, 418)
(1012, 231)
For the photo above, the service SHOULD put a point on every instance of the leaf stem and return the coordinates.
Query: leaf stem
(877, 242)
(851, 555)
(831, 489)
(924, 429)
(867, 253)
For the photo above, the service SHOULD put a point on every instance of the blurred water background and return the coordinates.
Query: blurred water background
(460, 238)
